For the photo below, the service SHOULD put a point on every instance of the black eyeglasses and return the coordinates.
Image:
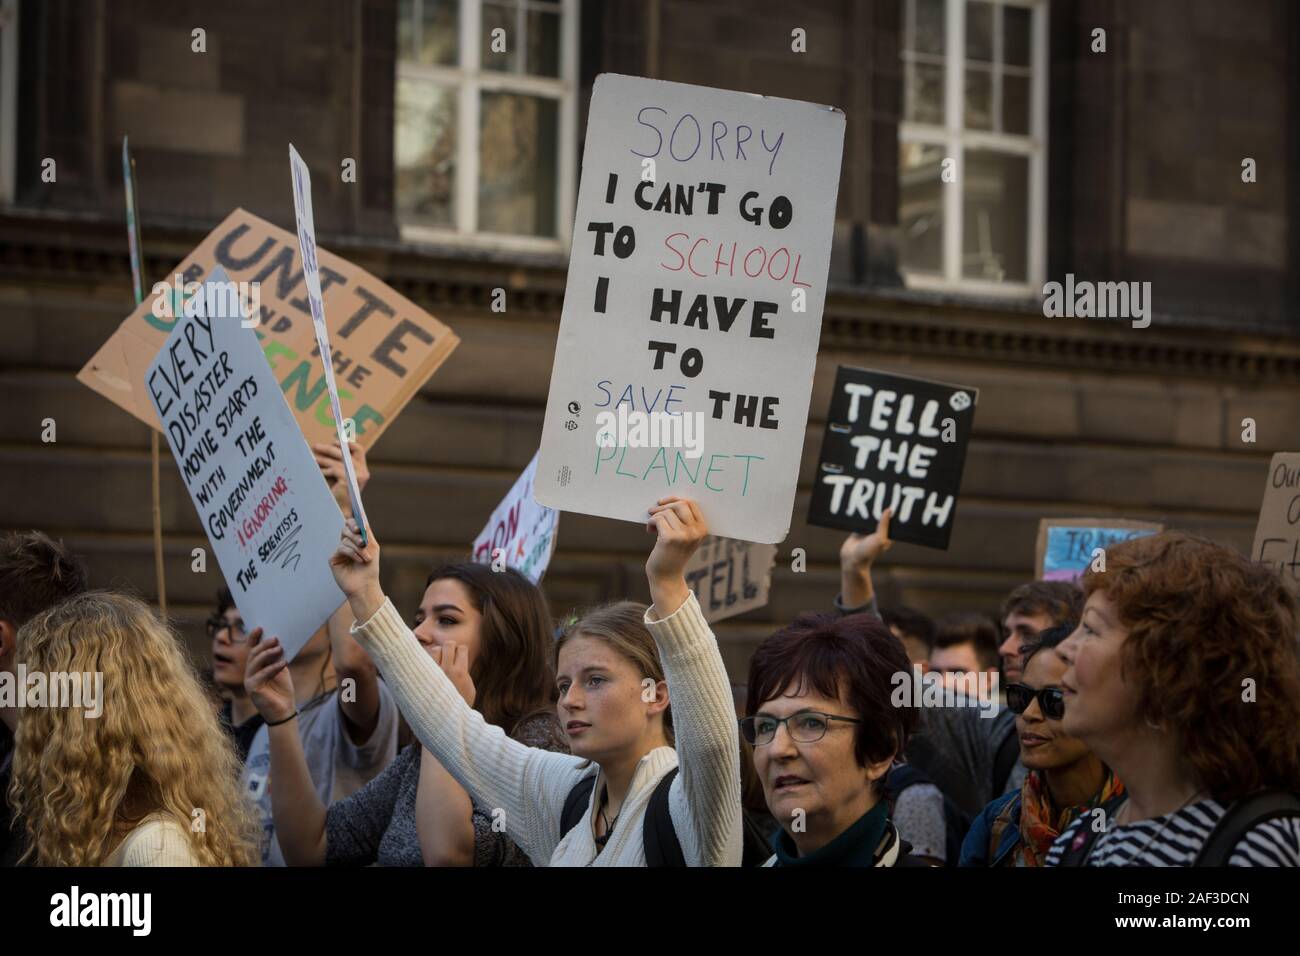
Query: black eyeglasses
(807, 727)
(1051, 700)
(237, 633)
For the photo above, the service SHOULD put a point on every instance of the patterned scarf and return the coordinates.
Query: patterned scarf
(1040, 824)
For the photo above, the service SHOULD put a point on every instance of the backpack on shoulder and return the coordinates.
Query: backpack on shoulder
(955, 823)
(662, 848)
(1239, 819)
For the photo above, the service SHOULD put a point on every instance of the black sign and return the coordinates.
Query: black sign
(893, 442)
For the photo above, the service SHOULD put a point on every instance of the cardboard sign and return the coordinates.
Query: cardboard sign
(385, 347)
(262, 500)
(306, 223)
(892, 441)
(693, 308)
(730, 577)
(1277, 536)
(1067, 546)
(521, 532)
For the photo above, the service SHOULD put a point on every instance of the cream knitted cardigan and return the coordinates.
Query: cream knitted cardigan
(530, 785)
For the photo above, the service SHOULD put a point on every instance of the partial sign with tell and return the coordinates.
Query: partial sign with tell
(730, 577)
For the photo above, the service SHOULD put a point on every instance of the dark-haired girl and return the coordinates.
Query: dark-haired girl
(490, 632)
(632, 793)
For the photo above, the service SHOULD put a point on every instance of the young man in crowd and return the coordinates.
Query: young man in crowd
(36, 573)
(1028, 610)
(965, 644)
(914, 629)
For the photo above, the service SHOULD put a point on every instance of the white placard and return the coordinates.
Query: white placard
(306, 224)
(521, 533)
(269, 516)
(695, 291)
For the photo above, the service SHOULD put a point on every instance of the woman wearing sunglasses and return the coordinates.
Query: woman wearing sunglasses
(824, 734)
(1064, 780)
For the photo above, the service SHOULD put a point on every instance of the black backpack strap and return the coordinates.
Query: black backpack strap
(662, 848)
(1080, 848)
(1242, 817)
(575, 803)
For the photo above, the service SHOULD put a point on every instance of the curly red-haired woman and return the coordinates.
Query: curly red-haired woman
(1183, 677)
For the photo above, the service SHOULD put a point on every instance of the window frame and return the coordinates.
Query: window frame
(954, 140)
(8, 98)
(469, 80)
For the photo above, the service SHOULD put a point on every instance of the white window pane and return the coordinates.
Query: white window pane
(979, 98)
(979, 31)
(406, 29)
(518, 146)
(500, 16)
(543, 55)
(1015, 104)
(920, 207)
(1015, 32)
(925, 93)
(929, 37)
(995, 223)
(425, 152)
(427, 31)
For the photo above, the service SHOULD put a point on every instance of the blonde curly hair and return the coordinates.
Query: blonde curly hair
(81, 784)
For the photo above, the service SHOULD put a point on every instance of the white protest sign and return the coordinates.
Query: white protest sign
(1277, 536)
(311, 273)
(692, 314)
(730, 577)
(263, 502)
(521, 533)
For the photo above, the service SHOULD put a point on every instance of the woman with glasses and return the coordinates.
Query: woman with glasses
(1065, 779)
(1183, 676)
(824, 733)
(229, 637)
(627, 796)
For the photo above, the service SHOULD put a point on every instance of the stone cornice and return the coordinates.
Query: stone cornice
(50, 248)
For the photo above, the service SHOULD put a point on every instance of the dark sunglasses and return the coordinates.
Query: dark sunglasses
(1051, 700)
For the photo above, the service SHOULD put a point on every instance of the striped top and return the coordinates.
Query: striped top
(1144, 843)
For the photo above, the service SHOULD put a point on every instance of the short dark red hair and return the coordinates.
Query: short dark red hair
(853, 659)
